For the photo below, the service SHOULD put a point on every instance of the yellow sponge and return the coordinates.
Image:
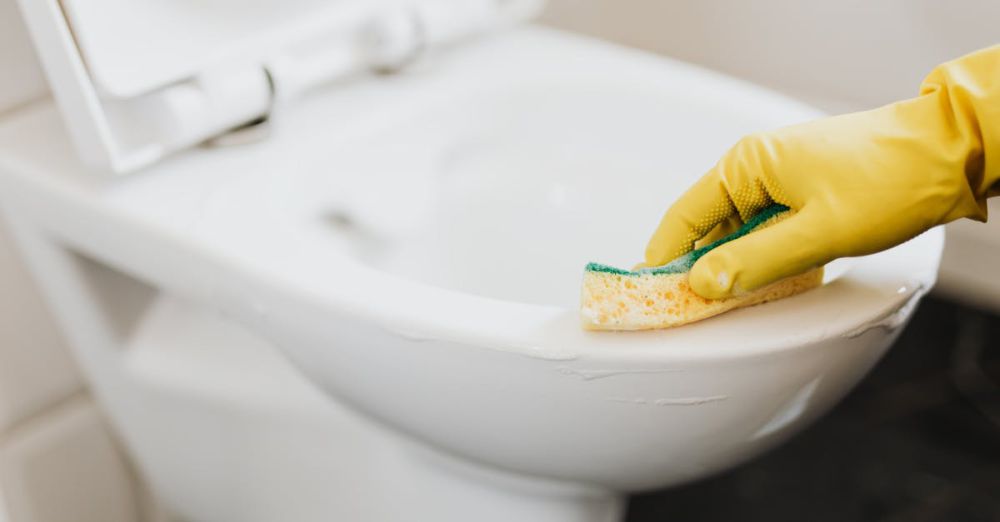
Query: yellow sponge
(615, 299)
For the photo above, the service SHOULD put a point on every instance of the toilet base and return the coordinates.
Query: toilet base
(431, 487)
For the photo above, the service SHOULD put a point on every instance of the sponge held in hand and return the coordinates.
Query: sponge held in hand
(660, 297)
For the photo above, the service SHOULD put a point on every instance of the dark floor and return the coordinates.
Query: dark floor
(918, 440)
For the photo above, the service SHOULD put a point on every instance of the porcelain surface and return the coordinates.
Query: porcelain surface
(413, 245)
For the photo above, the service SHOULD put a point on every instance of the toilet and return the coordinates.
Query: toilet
(304, 291)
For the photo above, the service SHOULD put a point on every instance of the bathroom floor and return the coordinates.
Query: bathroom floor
(918, 440)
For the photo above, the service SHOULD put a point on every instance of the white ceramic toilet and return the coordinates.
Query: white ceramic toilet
(366, 309)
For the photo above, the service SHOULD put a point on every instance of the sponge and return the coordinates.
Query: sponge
(660, 297)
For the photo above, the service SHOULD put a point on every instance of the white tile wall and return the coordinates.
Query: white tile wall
(58, 458)
(63, 466)
(36, 370)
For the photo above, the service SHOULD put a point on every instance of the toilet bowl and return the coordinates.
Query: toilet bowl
(370, 314)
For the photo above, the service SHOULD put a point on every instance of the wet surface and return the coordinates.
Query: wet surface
(918, 440)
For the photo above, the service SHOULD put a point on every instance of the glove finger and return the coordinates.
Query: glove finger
(787, 248)
(703, 207)
(727, 227)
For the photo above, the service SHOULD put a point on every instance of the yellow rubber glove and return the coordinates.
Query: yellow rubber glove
(859, 183)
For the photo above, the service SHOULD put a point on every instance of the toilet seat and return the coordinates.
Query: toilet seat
(232, 208)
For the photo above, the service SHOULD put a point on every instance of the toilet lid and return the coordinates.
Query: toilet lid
(137, 80)
(605, 137)
(134, 46)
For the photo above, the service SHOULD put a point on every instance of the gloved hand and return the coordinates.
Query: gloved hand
(858, 183)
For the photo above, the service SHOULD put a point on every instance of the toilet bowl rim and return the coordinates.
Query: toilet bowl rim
(882, 290)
